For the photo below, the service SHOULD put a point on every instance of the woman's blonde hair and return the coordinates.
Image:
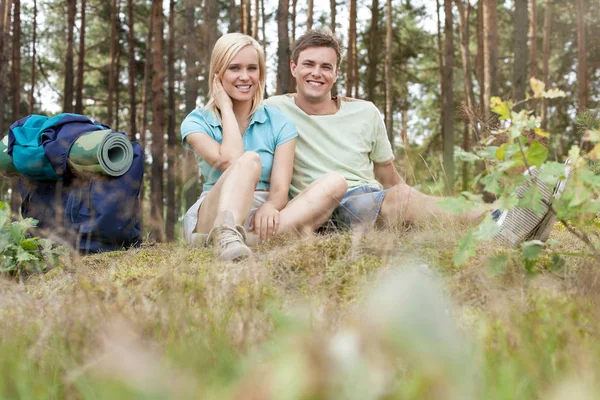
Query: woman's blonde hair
(226, 48)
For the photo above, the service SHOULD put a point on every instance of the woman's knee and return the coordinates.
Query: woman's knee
(250, 160)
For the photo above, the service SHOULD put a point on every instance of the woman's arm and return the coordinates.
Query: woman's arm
(266, 219)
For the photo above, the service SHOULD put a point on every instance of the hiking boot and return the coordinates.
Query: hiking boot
(518, 224)
(229, 240)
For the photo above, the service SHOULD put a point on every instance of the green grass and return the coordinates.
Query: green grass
(328, 317)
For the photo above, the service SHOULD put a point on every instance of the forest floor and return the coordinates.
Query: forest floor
(343, 316)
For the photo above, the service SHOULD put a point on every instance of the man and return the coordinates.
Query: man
(348, 136)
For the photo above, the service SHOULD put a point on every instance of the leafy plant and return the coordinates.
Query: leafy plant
(19, 253)
(516, 144)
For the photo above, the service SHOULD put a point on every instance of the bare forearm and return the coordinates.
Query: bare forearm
(232, 146)
(278, 198)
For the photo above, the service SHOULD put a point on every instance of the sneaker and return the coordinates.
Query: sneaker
(229, 241)
(518, 224)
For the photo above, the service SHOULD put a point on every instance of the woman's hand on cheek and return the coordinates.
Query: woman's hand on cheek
(222, 99)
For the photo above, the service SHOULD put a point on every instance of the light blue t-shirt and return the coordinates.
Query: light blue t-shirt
(268, 129)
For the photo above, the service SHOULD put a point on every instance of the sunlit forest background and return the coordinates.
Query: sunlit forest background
(428, 65)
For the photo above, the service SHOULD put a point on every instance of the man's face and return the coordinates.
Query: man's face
(315, 73)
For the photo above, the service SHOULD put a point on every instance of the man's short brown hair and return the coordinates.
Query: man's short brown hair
(317, 39)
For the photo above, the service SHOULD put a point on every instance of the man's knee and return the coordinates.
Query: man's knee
(336, 184)
(396, 197)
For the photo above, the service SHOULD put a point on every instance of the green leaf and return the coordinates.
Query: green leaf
(466, 249)
(536, 154)
(499, 107)
(557, 263)
(532, 199)
(507, 202)
(532, 249)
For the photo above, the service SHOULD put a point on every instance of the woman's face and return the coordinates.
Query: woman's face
(242, 75)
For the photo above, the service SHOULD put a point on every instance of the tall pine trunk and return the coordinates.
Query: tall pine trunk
(131, 70)
(309, 15)
(490, 53)
(5, 6)
(533, 70)
(112, 71)
(373, 51)
(582, 78)
(351, 57)
(233, 17)
(209, 30)
(189, 170)
(69, 76)
(158, 123)
(388, 71)
(440, 57)
(333, 12)
(79, 107)
(256, 17)
(448, 103)
(546, 59)
(293, 20)
(15, 198)
(171, 139)
(146, 89)
(33, 59)
(520, 50)
(283, 51)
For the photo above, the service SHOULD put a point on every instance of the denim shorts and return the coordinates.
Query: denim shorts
(359, 208)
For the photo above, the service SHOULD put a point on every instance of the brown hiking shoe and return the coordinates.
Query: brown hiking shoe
(229, 240)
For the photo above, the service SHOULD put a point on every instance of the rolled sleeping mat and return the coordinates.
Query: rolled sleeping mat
(101, 152)
(6, 165)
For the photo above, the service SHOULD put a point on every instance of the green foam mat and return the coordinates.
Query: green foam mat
(101, 152)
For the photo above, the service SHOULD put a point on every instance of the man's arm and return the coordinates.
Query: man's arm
(386, 174)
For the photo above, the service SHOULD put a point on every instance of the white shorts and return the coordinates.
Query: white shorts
(190, 219)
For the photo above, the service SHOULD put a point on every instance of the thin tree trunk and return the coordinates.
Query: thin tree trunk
(283, 51)
(146, 89)
(479, 63)
(490, 54)
(81, 62)
(582, 78)
(293, 20)
(117, 81)
(209, 30)
(388, 71)
(351, 57)
(171, 140)
(263, 20)
(440, 48)
(333, 8)
(158, 123)
(309, 15)
(521, 51)
(463, 24)
(255, 19)
(533, 70)
(112, 75)
(33, 59)
(448, 124)
(466, 173)
(373, 51)
(5, 6)
(15, 198)
(244, 16)
(233, 17)
(545, 59)
(68, 88)
(190, 171)
(131, 69)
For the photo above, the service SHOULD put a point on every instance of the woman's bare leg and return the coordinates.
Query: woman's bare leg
(314, 205)
(233, 192)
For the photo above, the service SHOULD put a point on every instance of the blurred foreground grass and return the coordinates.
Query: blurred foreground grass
(382, 316)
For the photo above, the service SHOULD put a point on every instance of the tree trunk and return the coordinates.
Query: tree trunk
(158, 123)
(255, 19)
(351, 57)
(112, 71)
(244, 16)
(333, 8)
(209, 31)
(309, 15)
(79, 107)
(171, 138)
(521, 51)
(448, 103)
(283, 51)
(131, 69)
(5, 6)
(545, 59)
(263, 23)
(479, 63)
(582, 78)
(490, 54)
(233, 17)
(69, 78)
(146, 89)
(388, 71)
(463, 25)
(15, 198)
(33, 58)
(533, 39)
(373, 51)
(117, 81)
(293, 20)
(440, 48)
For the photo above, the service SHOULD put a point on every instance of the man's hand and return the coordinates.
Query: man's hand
(222, 99)
(265, 221)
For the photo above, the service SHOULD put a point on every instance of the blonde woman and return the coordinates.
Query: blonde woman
(246, 152)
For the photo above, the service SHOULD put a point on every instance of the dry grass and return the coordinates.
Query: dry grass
(323, 317)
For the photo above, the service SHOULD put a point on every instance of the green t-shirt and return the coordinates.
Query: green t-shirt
(348, 142)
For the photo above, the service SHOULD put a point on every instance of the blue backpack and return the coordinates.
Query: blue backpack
(91, 214)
